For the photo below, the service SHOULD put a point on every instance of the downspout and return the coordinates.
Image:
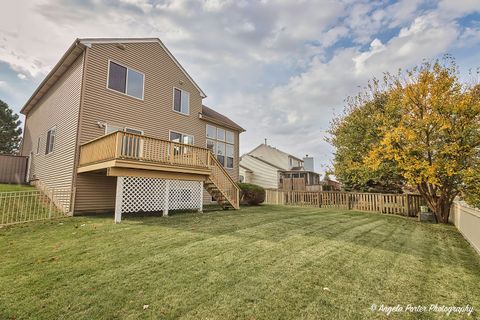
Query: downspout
(77, 140)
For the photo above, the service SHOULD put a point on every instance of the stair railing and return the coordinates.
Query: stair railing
(224, 182)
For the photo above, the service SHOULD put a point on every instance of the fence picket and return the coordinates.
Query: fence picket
(399, 204)
(24, 206)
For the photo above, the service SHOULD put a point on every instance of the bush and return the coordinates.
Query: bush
(251, 194)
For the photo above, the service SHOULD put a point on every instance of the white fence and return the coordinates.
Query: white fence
(467, 221)
(25, 206)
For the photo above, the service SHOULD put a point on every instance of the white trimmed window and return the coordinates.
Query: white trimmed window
(181, 138)
(50, 140)
(181, 101)
(221, 143)
(125, 80)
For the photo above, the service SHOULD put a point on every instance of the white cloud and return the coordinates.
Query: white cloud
(302, 109)
(455, 8)
(21, 76)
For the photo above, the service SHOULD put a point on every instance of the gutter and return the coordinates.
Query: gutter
(26, 108)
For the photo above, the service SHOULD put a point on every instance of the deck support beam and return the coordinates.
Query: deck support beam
(200, 210)
(167, 196)
(118, 200)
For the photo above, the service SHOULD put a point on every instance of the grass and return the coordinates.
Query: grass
(258, 263)
(15, 187)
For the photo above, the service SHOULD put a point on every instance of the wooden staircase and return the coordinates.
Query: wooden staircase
(221, 186)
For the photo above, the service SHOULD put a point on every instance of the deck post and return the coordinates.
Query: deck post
(200, 210)
(167, 195)
(118, 200)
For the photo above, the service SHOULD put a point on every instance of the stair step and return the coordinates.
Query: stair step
(218, 195)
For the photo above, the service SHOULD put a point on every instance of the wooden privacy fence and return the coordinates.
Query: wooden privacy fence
(400, 204)
(25, 206)
(13, 169)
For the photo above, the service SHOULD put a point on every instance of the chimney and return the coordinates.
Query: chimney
(308, 163)
(265, 141)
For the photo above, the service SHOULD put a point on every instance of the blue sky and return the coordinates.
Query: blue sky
(281, 69)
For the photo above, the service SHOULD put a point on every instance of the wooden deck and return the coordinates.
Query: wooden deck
(128, 154)
(121, 149)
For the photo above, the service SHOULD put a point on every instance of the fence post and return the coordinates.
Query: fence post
(407, 202)
(348, 201)
(50, 206)
(382, 202)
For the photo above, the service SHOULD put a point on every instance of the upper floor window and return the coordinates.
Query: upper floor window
(181, 101)
(125, 80)
(181, 138)
(50, 140)
(220, 142)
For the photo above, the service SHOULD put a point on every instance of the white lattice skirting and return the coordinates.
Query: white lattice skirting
(136, 194)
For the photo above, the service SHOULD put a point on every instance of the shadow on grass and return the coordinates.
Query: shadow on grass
(397, 234)
(401, 235)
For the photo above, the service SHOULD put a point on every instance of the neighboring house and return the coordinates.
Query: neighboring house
(121, 124)
(329, 184)
(272, 168)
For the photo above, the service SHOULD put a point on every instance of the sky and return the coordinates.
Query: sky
(281, 69)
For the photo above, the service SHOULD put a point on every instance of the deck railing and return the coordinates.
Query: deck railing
(130, 146)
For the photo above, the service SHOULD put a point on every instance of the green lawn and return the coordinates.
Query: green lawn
(15, 187)
(258, 263)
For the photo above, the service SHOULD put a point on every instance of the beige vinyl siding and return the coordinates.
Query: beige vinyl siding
(58, 108)
(154, 115)
(95, 193)
(263, 175)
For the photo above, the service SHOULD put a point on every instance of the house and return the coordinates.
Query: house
(121, 124)
(328, 184)
(272, 168)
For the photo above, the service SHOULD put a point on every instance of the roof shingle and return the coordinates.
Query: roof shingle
(210, 114)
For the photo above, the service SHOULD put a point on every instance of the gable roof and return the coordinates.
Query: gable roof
(89, 41)
(262, 145)
(211, 115)
(74, 51)
(264, 161)
(246, 168)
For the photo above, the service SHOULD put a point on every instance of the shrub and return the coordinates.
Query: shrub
(251, 194)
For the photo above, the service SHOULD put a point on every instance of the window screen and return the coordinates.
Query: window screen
(117, 78)
(125, 80)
